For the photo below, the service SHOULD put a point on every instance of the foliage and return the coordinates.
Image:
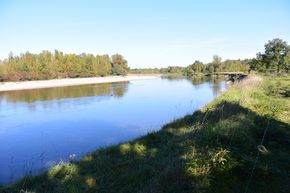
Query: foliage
(196, 68)
(217, 67)
(145, 71)
(120, 66)
(47, 65)
(276, 57)
(172, 70)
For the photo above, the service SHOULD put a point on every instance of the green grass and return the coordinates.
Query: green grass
(212, 150)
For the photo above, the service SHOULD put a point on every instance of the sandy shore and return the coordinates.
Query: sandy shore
(10, 86)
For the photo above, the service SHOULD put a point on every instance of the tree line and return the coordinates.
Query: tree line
(275, 59)
(49, 65)
(200, 68)
(217, 66)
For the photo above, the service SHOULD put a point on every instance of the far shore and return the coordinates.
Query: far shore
(36, 84)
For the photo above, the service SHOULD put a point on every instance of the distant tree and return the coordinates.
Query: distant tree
(105, 66)
(188, 71)
(119, 64)
(217, 63)
(118, 70)
(197, 67)
(173, 70)
(210, 68)
(235, 66)
(145, 71)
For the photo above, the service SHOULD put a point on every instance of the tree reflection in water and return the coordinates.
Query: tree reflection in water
(56, 94)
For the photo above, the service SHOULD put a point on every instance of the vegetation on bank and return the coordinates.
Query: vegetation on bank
(237, 143)
(47, 65)
(145, 71)
(275, 59)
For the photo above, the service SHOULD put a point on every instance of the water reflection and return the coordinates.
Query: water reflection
(217, 82)
(41, 127)
(105, 90)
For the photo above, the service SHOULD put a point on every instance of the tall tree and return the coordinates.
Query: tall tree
(275, 52)
(275, 58)
(217, 63)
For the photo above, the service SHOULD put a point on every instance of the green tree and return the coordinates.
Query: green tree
(257, 64)
(217, 63)
(119, 64)
(235, 66)
(197, 67)
(210, 68)
(276, 51)
(118, 70)
(188, 71)
(275, 58)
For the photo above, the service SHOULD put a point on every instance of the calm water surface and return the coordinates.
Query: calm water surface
(39, 128)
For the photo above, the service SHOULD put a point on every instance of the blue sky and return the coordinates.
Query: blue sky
(149, 33)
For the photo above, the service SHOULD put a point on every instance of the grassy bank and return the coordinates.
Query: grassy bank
(238, 143)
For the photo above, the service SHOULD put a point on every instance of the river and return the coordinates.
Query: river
(42, 127)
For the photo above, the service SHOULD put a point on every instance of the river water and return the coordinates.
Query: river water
(42, 127)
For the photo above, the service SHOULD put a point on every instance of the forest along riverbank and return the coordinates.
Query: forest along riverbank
(219, 148)
(24, 85)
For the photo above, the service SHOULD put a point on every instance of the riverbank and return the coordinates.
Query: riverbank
(10, 86)
(237, 143)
